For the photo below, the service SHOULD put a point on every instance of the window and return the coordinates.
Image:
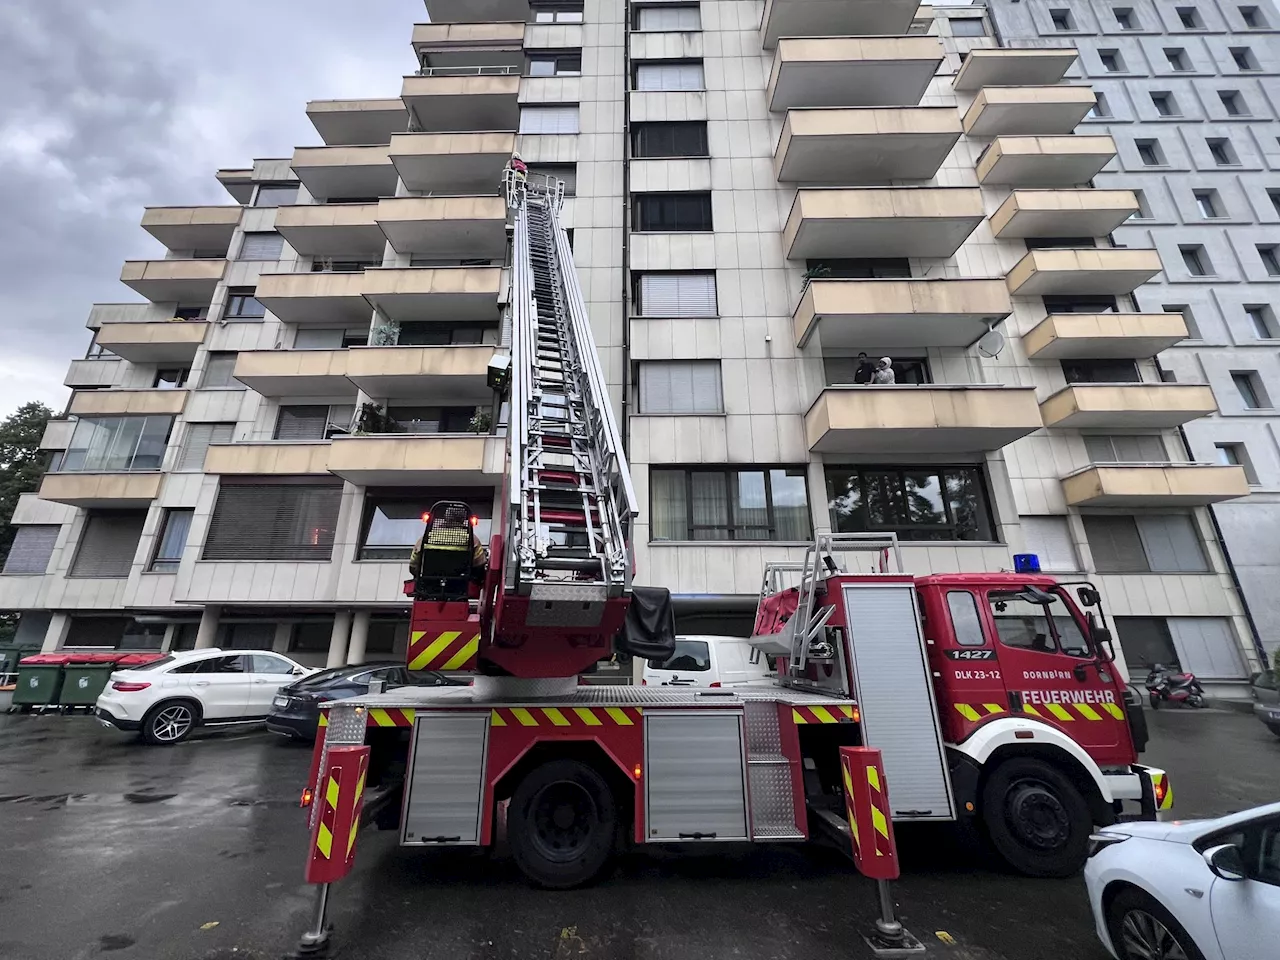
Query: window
(191, 313)
(1232, 103)
(1249, 385)
(1193, 330)
(964, 618)
(555, 65)
(1274, 196)
(1244, 58)
(672, 75)
(668, 18)
(170, 378)
(276, 195)
(1270, 261)
(671, 212)
(1101, 108)
(1177, 58)
(842, 371)
(311, 636)
(1252, 18)
(1111, 61)
(117, 445)
(1151, 543)
(334, 265)
(691, 656)
(1061, 19)
(676, 295)
(277, 666)
(1149, 153)
(550, 120)
(1122, 448)
(1207, 201)
(566, 173)
(1196, 260)
(661, 140)
(218, 370)
(916, 503)
(96, 631)
(173, 539)
(555, 13)
(1049, 538)
(1263, 319)
(196, 443)
(1101, 371)
(1144, 210)
(393, 520)
(1165, 104)
(1145, 641)
(267, 245)
(329, 338)
(108, 541)
(1222, 152)
(968, 27)
(1189, 17)
(432, 420)
(313, 421)
(242, 305)
(431, 333)
(858, 268)
(273, 521)
(1059, 243)
(1235, 455)
(1036, 620)
(1124, 18)
(764, 503)
(679, 387)
(1059, 304)
(31, 550)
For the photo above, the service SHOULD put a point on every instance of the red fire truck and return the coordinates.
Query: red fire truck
(993, 698)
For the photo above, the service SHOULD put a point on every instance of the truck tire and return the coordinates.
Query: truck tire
(561, 824)
(1036, 818)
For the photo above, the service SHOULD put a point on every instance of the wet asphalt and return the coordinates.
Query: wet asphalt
(109, 848)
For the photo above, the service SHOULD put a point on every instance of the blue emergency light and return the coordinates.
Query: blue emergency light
(1026, 563)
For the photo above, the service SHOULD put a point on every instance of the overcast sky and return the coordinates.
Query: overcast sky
(114, 105)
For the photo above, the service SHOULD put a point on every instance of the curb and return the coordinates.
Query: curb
(1235, 706)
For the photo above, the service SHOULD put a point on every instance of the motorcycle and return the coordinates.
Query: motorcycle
(1165, 686)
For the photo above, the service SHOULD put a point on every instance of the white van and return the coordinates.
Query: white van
(709, 662)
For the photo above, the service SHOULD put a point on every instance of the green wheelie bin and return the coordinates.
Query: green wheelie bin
(39, 681)
(84, 677)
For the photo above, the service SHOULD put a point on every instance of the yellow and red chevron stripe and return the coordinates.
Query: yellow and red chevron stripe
(880, 814)
(581, 718)
(1163, 790)
(1085, 711)
(447, 650)
(826, 713)
(341, 796)
(390, 717)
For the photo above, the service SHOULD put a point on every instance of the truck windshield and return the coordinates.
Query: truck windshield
(1031, 619)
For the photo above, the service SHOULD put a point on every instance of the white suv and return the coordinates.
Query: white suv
(168, 698)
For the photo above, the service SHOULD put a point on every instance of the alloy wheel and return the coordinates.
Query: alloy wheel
(1146, 938)
(172, 723)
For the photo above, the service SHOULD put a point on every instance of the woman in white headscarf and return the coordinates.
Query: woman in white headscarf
(884, 372)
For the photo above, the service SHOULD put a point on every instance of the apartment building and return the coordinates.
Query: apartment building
(759, 192)
(1191, 95)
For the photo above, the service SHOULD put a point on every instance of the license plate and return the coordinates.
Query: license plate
(280, 702)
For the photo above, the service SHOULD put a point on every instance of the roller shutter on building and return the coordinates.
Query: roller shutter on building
(670, 387)
(669, 76)
(273, 521)
(678, 295)
(108, 543)
(549, 119)
(196, 444)
(31, 550)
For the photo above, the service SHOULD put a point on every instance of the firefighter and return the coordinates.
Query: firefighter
(453, 516)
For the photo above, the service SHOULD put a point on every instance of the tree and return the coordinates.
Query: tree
(21, 462)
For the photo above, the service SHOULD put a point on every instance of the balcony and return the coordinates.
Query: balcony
(834, 18)
(1062, 213)
(446, 227)
(1102, 271)
(193, 228)
(341, 172)
(464, 98)
(477, 11)
(332, 230)
(104, 313)
(57, 434)
(867, 144)
(881, 222)
(171, 281)
(852, 71)
(459, 294)
(1084, 336)
(295, 373)
(238, 183)
(93, 373)
(452, 163)
(1015, 67)
(357, 122)
(315, 298)
(920, 419)
(99, 491)
(1027, 111)
(404, 460)
(899, 313)
(1154, 406)
(469, 44)
(169, 341)
(1044, 161)
(109, 403)
(456, 374)
(1154, 485)
(268, 457)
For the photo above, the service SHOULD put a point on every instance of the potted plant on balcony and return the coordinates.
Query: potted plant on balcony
(481, 421)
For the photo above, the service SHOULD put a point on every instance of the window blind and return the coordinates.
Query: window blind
(312, 421)
(1115, 544)
(678, 295)
(549, 119)
(196, 444)
(267, 245)
(669, 18)
(1049, 538)
(318, 338)
(1125, 449)
(669, 76)
(107, 544)
(31, 550)
(281, 521)
(218, 369)
(680, 387)
(1171, 544)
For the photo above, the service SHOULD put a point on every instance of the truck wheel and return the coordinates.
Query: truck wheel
(1036, 818)
(561, 824)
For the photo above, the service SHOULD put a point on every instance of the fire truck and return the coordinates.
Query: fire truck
(993, 698)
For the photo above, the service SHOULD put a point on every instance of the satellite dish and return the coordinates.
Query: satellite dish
(991, 344)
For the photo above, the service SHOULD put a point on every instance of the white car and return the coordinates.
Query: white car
(168, 698)
(1193, 890)
(710, 661)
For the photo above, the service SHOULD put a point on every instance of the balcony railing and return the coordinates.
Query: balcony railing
(497, 70)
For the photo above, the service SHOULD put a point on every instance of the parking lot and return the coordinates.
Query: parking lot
(196, 851)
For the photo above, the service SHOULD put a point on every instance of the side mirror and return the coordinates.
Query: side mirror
(297, 671)
(1225, 862)
(1100, 635)
(1089, 597)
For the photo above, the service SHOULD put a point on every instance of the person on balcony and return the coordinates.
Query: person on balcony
(884, 372)
(866, 370)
